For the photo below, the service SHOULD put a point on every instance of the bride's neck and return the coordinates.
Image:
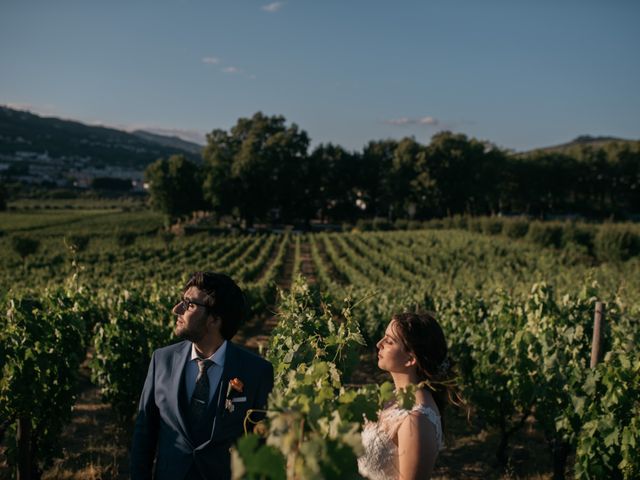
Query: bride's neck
(402, 380)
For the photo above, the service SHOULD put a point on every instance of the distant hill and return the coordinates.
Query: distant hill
(583, 141)
(22, 131)
(172, 141)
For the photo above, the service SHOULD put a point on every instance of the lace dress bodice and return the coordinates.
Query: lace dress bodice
(380, 459)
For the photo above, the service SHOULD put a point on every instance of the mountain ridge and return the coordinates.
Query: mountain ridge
(24, 131)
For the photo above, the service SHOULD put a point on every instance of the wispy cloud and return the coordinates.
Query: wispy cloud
(404, 121)
(273, 7)
(227, 69)
(231, 70)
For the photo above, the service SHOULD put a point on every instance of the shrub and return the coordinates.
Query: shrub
(516, 228)
(491, 225)
(415, 225)
(474, 225)
(578, 234)
(382, 224)
(447, 222)
(25, 246)
(401, 224)
(545, 234)
(347, 227)
(125, 238)
(616, 243)
(166, 237)
(78, 242)
(459, 221)
(434, 223)
(364, 225)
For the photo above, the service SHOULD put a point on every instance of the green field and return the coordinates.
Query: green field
(420, 260)
(517, 316)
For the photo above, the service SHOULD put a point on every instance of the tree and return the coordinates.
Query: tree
(175, 186)
(77, 242)
(333, 175)
(626, 165)
(258, 167)
(546, 182)
(220, 189)
(375, 164)
(402, 192)
(3, 198)
(24, 246)
(457, 175)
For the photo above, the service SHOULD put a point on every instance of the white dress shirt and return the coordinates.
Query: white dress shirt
(214, 371)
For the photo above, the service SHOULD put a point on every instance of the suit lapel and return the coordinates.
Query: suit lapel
(180, 358)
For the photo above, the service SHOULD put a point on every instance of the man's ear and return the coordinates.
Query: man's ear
(215, 321)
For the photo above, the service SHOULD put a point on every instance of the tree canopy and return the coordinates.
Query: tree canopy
(262, 170)
(257, 169)
(175, 185)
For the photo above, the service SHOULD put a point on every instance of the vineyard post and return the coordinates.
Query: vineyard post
(24, 449)
(596, 342)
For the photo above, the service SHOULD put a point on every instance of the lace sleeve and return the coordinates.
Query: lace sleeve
(392, 419)
(434, 418)
(380, 458)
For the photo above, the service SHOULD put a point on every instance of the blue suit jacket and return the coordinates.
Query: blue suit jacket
(161, 431)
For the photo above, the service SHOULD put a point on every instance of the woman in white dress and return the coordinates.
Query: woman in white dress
(404, 444)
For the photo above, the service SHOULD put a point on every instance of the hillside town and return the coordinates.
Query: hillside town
(41, 169)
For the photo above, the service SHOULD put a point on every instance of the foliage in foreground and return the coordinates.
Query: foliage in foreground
(313, 424)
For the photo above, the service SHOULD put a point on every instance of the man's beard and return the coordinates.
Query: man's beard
(194, 334)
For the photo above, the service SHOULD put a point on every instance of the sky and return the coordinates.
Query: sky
(520, 74)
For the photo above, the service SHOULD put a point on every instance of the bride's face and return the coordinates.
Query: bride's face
(392, 356)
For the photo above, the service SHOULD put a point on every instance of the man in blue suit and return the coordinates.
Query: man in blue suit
(197, 392)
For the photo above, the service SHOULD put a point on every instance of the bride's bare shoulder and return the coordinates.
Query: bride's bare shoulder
(425, 398)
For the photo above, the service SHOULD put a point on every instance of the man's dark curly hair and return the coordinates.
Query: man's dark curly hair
(225, 300)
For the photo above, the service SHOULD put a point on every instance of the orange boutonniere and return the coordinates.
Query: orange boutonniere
(234, 384)
(237, 384)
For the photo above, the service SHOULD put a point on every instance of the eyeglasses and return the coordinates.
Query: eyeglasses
(185, 303)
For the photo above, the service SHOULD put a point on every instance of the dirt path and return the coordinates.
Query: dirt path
(307, 268)
(255, 334)
(284, 280)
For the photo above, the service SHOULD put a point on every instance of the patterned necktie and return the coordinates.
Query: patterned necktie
(200, 397)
